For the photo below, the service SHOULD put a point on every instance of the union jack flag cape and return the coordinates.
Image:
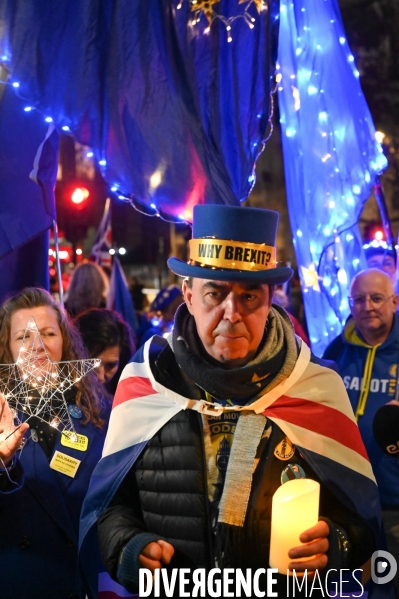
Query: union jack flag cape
(311, 407)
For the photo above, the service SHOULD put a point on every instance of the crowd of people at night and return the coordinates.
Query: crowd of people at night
(188, 425)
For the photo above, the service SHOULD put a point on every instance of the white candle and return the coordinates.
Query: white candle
(295, 508)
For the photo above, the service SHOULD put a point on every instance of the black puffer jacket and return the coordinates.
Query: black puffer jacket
(165, 496)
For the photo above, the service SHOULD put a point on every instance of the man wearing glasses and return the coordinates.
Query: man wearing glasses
(367, 354)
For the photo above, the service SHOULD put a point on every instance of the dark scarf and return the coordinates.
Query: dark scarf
(272, 363)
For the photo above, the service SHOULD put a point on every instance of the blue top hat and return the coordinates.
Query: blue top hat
(233, 243)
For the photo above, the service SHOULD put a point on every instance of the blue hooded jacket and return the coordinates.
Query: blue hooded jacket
(370, 375)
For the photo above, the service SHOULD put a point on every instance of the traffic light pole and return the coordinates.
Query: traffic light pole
(58, 262)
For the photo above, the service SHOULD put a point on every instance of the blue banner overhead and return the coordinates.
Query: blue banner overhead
(174, 102)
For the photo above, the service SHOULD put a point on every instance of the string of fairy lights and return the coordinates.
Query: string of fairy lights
(246, 9)
(206, 8)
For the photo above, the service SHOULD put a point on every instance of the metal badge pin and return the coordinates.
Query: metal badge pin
(284, 450)
(75, 411)
(292, 472)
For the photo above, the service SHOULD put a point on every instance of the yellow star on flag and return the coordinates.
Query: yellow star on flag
(311, 277)
(205, 6)
(258, 3)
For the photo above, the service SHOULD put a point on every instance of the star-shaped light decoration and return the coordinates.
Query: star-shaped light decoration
(204, 6)
(258, 3)
(35, 386)
(311, 277)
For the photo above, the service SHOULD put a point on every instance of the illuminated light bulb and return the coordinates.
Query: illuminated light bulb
(48, 119)
(342, 277)
(102, 162)
(298, 51)
(111, 251)
(65, 128)
(153, 206)
(253, 20)
(323, 116)
(324, 134)
(229, 39)
(326, 157)
(290, 132)
(356, 189)
(331, 204)
(89, 154)
(207, 29)
(251, 26)
(79, 251)
(120, 197)
(351, 58)
(250, 178)
(312, 90)
(279, 77)
(122, 251)
(292, 76)
(181, 216)
(342, 40)
(179, 6)
(379, 136)
(327, 231)
(228, 28)
(28, 108)
(349, 237)
(299, 233)
(15, 84)
(318, 47)
(355, 262)
(379, 235)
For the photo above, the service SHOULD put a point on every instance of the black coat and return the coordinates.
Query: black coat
(165, 496)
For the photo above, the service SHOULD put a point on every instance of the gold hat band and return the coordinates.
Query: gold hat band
(237, 255)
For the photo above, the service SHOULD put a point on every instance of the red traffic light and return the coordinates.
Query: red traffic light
(79, 195)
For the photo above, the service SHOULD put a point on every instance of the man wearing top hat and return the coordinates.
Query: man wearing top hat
(208, 423)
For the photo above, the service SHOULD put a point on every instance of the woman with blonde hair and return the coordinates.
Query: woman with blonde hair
(40, 503)
(88, 288)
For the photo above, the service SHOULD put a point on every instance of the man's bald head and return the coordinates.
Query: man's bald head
(375, 277)
(373, 304)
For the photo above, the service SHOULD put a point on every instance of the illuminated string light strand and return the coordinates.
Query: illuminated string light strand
(205, 7)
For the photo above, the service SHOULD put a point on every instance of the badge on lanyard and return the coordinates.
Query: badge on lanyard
(284, 450)
(64, 463)
(74, 441)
